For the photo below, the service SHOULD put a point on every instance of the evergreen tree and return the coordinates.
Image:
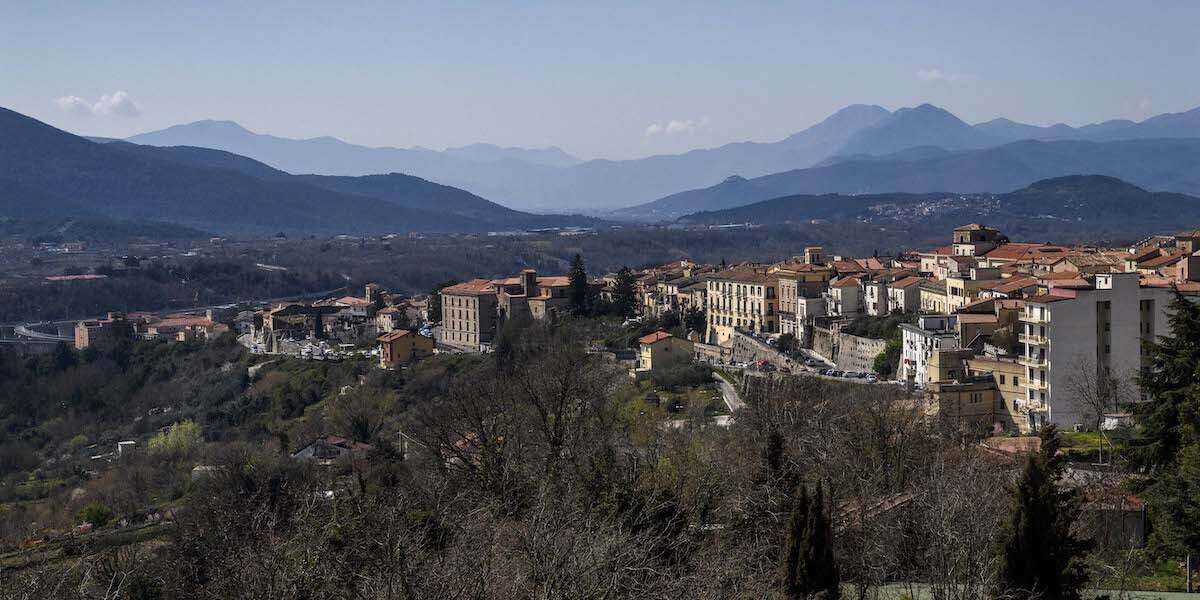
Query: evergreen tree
(1168, 436)
(1039, 557)
(625, 294)
(809, 569)
(1171, 379)
(578, 293)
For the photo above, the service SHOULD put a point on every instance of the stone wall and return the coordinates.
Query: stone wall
(848, 352)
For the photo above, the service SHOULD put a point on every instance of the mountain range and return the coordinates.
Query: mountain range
(48, 173)
(551, 180)
(1076, 207)
(1162, 164)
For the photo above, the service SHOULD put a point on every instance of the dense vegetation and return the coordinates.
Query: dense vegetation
(154, 286)
(538, 470)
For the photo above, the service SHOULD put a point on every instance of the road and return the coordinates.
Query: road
(729, 394)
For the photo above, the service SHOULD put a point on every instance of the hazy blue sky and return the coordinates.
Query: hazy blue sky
(599, 79)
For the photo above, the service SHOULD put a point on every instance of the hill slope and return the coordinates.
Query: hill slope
(1162, 164)
(46, 173)
(1072, 207)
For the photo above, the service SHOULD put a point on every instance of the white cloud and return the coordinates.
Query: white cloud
(675, 127)
(74, 105)
(118, 103)
(939, 75)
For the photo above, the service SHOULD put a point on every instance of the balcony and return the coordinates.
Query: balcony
(1032, 317)
(1033, 339)
(1032, 361)
(1036, 384)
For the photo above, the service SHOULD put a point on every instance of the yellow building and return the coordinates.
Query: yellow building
(742, 298)
(660, 350)
(1007, 374)
(401, 347)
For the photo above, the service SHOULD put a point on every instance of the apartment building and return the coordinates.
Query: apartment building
(964, 288)
(1077, 332)
(904, 295)
(743, 298)
(930, 334)
(845, 298)
(469, 316)
(799, 285)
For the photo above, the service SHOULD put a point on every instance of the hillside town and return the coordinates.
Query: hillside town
(991, 333)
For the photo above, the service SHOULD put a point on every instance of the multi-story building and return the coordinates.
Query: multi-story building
(1073, 333)
(845, 298)
(469, 315)
(963, 288)
(531, 296)
(931, 333)
(904, 295)
(933, 296)
(743, 298)
(799, 284)
(975, 239)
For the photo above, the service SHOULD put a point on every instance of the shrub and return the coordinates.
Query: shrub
(95, 513)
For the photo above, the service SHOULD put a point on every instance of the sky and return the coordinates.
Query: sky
(599, 79)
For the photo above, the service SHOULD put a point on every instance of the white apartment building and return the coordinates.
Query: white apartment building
(930, 334)
(1070, 333)
(844, 298)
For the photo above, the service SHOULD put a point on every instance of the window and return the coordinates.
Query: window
(1002, 379)
(1016, 380)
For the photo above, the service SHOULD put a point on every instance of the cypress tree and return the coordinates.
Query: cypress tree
(1039, 557)
(625, 293)
(578, 296)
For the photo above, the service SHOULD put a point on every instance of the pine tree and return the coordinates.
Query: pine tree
(578, 294)
(1039, 557)
(809, 569)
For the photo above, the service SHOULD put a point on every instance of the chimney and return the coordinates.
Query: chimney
(529, 282)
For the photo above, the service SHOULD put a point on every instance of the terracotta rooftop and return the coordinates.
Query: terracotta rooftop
(847, 266)
(1162, 261)
(474, 287)
(1021, 251)
(657, 336)
(392, 336)
(845, 282)
(1013, 284)
(907, 282)
(746, 274)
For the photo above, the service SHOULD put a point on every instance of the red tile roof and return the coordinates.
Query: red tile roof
(474, 287)
(907, 282)
(657, 336)
(845, 282)
(392, 336)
